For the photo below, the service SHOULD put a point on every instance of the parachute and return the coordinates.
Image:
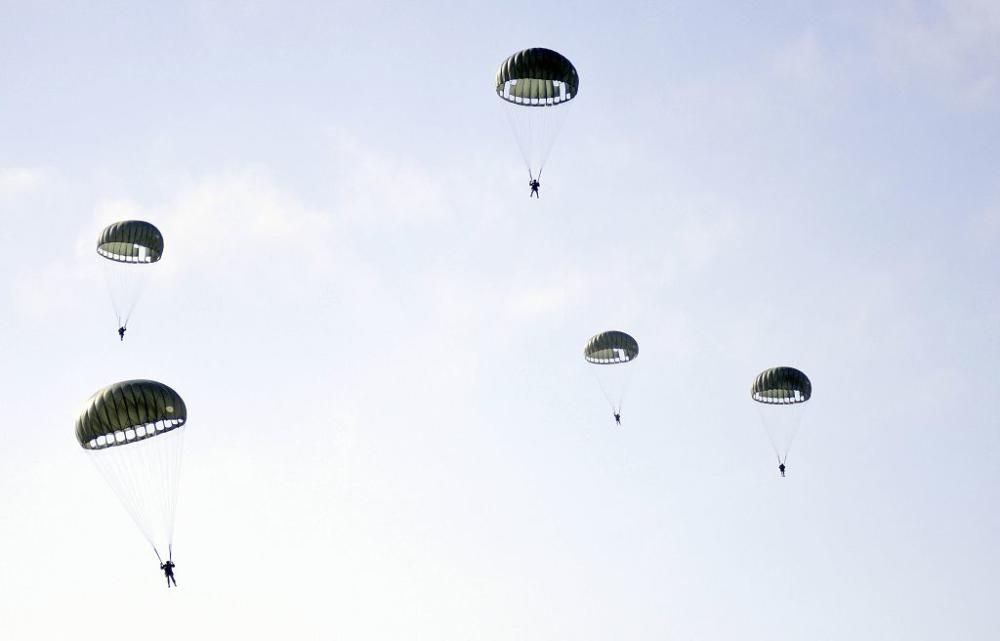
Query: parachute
(615, 349)
(781, 393)
(133, 431)
(129, 247)
(535, 86)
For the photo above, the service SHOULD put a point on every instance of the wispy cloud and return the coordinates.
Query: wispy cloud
(16, 181)
(953, 45)
(986, 226)
(50, 289)
(240, 220)
(378, 189)
(804, 62)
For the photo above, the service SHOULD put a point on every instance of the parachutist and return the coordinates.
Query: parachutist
(168, 569)
(781, 389)
(142, 422)
(536, 84)
(534, 184)
(128, 248)
(615, 349)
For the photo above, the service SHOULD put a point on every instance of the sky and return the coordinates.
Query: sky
(392, 432)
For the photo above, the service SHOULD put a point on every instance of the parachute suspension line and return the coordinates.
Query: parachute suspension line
(625, 385)
(144, 475)
(174, 482)
(113, 470)
(770, 437)
(552, 129)
(607, 396)
(137, 291)
(535, 130)
(518, 137)
(110, 283)
(791, 439)
(781, 424)
(126, 283)
(616, 404)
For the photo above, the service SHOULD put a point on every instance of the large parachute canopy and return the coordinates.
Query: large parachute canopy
(781, 393)
(129, 411)
(133, 431)
(535, 85)
(612, 348)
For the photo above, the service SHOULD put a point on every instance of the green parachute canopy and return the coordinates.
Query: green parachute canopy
(131, 241)
(781, 386)
(611, 347)
(127, 412)
(537, 78)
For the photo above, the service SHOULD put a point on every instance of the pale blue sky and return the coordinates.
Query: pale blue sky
(393, 434)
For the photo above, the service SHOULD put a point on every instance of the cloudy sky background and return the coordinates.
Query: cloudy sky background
(393, 434)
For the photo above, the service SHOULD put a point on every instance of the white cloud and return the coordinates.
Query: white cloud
(532, 301)
(243, 220)
(953, 45)
(804, 62)
(54, 288)
(378, 189)
(16, 181)
(986, 226)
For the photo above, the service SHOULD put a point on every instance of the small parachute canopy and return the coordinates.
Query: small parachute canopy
(781, 386)
(611, 347)
(127, 412)
(537, 78)
(131, 241)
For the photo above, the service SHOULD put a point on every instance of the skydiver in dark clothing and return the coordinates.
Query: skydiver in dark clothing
(781, 468)
(618, 419)
(534, 184)
(121, 333)
(168, 569)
